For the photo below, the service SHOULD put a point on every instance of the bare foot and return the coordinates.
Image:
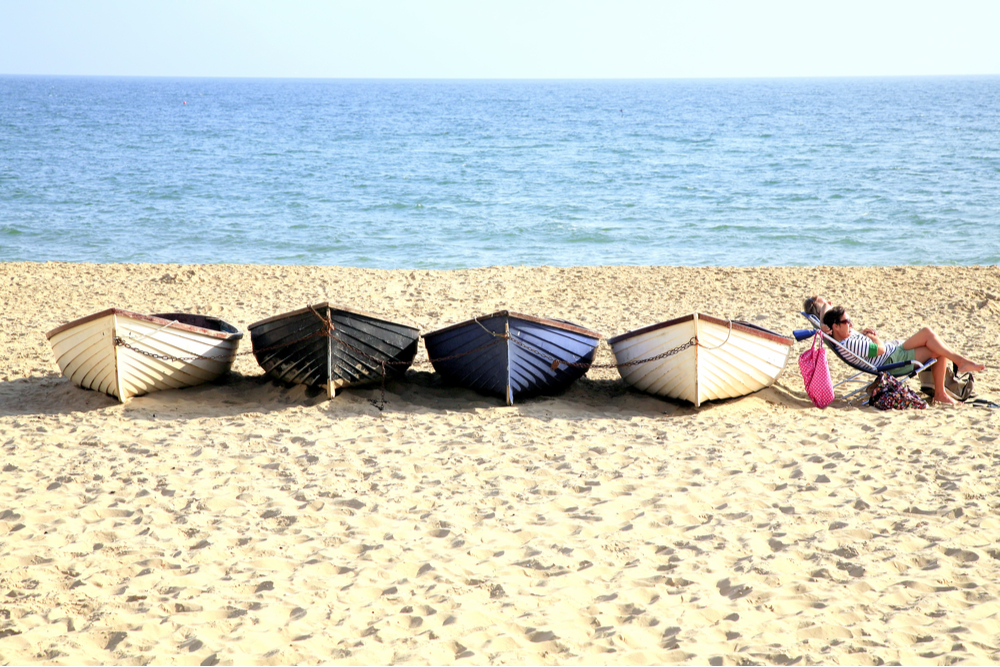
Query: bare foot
(943, 398)
(971, 368)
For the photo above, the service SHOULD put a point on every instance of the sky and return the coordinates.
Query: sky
(489, 39)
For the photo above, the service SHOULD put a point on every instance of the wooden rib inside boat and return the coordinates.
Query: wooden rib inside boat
(700, 358)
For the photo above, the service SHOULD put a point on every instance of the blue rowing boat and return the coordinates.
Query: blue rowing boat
(511, 355)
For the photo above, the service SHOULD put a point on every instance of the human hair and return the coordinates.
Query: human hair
(811, 307)
(833, 316)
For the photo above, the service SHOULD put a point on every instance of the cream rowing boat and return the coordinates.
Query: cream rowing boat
(699, 358)
(125, 354)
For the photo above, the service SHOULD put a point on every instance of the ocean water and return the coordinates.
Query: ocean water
(451, 174)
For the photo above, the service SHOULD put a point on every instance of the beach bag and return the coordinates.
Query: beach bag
(816, 374)
(961, 389)
(889, 393)
(965, 390)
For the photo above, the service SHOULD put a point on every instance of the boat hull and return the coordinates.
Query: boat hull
(730, 359)
(125, 354)
(512, 356)
(297, 347)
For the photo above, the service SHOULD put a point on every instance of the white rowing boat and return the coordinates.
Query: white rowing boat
(126, 354)
(700, 358)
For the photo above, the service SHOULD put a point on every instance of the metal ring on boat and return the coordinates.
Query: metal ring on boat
(492, 333)
(723, 342)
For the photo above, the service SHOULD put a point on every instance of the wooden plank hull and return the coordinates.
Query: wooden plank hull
(126, 354)
(297, 347)
(511, 355)
(730, 359)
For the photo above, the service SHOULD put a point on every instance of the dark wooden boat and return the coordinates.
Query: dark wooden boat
(330, 346)
(511, 355)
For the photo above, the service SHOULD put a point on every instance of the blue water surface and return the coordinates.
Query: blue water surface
(450, 174)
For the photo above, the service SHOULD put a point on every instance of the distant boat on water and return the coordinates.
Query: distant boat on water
(699, 358)
(125, 354)
(511, 355)
(330, 346)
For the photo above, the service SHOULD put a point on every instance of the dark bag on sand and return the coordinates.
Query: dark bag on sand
(968, 390)
(960, 389)
(888, 393)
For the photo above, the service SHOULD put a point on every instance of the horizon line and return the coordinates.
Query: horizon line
(512, 79)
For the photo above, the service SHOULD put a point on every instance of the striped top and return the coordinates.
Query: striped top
(863, 347)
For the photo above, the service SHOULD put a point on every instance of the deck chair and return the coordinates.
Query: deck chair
(901, 369)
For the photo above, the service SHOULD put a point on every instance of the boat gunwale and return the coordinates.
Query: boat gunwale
(760, 333)
(556, 324)
(151, 319)
(332, 306)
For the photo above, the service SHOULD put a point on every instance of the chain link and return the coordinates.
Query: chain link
(555, 361)
(120, 342)
(669, 353)
(328, 332)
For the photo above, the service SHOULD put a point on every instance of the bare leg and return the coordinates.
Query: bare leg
(928, 339)
(938, 372)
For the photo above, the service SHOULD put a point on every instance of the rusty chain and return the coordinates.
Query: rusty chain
(380, 403)
(328, 332)
(555, 362)
(120, 342)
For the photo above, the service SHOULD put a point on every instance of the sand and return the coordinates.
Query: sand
(250, 522)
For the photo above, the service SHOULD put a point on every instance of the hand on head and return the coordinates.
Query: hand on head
(816, 305)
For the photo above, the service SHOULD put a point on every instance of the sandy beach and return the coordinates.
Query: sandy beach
(248, 522)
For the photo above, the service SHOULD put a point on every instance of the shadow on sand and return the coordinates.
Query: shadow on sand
(236, 394)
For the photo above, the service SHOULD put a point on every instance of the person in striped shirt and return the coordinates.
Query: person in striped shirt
(923, 345)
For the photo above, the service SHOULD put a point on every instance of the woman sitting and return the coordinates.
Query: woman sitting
(921, 346)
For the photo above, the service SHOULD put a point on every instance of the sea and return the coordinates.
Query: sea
(445, 174)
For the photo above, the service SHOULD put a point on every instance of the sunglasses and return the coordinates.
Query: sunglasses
(844, 321)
